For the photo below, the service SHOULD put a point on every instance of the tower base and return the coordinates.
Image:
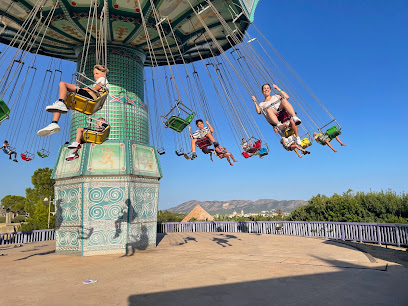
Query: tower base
(106, 200)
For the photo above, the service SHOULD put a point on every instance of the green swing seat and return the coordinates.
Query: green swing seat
(43, 153)
(179, 124)
(4, 111)
(175, 121)
(333, 132)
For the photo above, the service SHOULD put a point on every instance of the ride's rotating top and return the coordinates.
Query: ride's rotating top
(183, 22)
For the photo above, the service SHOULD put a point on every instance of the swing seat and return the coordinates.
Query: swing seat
(43, 153)
(203, 143)
(186, 156)
(96, 137)
(161, 151)
(4, 111)
(305, 143)
(27, 156)
(333, 132)
(263, 152)
(178, 124)
(257, 145)
(246, 154)
(179, 152)
(175, 122)
(289, 132)
(283, 116)
(85, 105)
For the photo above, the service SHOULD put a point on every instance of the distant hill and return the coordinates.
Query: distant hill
(228, 207)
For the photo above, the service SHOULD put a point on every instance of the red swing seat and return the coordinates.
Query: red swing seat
(27, 156)
(203, 143)
(283, 116)
(246, 154)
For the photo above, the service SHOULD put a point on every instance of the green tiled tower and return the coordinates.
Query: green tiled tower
(106, 200)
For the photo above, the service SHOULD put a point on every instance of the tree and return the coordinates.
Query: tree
(35, 205)
(14, 203)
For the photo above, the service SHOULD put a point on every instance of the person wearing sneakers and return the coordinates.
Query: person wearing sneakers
(59, 106)
(289, 144)
(202, 132)
(274, 104)
(76, 145)
(9, 151)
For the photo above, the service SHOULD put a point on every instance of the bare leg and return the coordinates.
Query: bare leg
(330, 146)
(232, 156)
(271, 116)
(289, 108)
(210, 136)
(193, 145)
(56, 116)
(297, 152)
(342, 144)
(79, 135)
(63, 88)
(294, 127)
(229, 160)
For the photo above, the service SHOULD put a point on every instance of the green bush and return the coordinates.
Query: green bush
(2, 219)
(18, 219)
(380, 207)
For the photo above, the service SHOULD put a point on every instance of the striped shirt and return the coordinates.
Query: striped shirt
(201, 133)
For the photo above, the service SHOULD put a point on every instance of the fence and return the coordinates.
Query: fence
(380, 233)
(24, 237)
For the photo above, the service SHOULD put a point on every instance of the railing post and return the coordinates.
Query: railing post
(360, 233)
(378, 234)
(309, 234)
(343, 237)
(397, 235)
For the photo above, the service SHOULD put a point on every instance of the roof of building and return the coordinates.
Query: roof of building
(198, 213)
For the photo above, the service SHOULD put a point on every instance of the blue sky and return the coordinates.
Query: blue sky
(352, 54)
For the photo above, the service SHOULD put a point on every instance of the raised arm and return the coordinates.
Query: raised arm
(211, 129)
(258, 109)
(189, 132)
(284, 94)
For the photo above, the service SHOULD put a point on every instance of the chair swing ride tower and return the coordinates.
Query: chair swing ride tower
(106, 200)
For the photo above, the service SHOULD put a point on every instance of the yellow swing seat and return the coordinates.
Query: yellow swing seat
(96, 137)
(85, 105)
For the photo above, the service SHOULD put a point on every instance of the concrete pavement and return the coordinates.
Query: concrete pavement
(208, 269)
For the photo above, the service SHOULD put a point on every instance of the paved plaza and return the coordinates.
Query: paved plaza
(210, 269)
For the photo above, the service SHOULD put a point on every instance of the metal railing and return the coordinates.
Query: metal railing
(30, 236)
(380, 233)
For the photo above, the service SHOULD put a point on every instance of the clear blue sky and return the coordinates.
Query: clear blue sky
(352, 54)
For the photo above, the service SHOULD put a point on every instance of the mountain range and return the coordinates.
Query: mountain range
(228, 207)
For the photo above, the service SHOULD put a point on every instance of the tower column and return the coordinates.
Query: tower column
(107, 199)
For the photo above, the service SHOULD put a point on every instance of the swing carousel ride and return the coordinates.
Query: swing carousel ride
(204, 60)
(183, 41)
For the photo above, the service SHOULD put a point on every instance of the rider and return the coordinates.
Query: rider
(9, 151)
(273, 104)
(59, 106)
(76, 145)
(202, 132)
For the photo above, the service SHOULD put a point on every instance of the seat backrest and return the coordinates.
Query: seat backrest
(333, 132)
(283, 116)
(289, 132)
(245, 154)
(305, 142)
(203, 143)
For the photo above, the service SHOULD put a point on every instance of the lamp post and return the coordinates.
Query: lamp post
(49, 209)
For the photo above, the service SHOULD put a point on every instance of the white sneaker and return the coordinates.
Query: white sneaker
(49, 129)
(74, 145)
(297, 120)
(298, 141)
(72, 156)
(57, 107)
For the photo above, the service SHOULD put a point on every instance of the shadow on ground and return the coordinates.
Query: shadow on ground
(396, 255)
(347, 287)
